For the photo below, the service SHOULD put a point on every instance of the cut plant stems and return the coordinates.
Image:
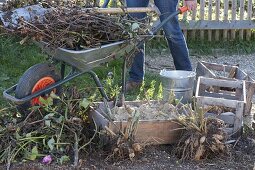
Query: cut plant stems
(75, 28)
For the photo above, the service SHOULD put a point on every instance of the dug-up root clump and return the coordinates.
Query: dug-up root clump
(123, 144)
(203, 137)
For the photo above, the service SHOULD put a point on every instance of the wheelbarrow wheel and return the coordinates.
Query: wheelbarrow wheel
(34, 79)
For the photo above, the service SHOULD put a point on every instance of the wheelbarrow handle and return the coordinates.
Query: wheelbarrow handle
(8, 96)
(120, 10)
(181, 10)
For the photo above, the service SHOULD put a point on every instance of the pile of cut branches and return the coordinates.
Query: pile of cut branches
(13, 4)
(46, 132)
(77, 28)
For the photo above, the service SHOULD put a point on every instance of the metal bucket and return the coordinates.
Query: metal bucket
(180, 82)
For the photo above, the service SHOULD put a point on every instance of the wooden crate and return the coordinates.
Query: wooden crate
(152, 132)
(235, 99)
(228, 72)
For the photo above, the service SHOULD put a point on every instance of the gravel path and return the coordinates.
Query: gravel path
(246, 62)
(155, 63)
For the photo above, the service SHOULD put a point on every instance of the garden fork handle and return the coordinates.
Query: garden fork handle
(181, 10)
(106, 2)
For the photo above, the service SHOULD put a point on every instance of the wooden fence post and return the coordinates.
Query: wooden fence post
(249, 11)
(225, 32)
(202, 16)
(210, 18)
(217, 32)
(241, 18)
(234, 4)
(193, 32)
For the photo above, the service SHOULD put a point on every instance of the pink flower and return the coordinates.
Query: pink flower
(47, 159)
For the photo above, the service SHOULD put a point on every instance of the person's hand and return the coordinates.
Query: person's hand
(191, 4)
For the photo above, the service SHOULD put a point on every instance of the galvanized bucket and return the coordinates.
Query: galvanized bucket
(180, 82)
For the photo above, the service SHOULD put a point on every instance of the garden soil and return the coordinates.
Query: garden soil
(241, 155)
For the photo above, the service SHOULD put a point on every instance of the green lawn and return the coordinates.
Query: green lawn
(15, 59)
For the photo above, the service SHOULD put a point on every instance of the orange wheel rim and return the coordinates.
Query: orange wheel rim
(41, 84)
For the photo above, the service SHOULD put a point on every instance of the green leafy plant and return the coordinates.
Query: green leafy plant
(47, 130)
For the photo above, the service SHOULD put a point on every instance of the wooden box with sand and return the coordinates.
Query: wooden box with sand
(151, 122)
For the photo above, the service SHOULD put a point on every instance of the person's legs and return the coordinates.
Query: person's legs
(137, 3)
(136, 73)
(174, 35)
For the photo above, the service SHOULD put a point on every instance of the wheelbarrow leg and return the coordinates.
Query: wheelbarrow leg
(98, 83)
(123, 89)
(63, 68)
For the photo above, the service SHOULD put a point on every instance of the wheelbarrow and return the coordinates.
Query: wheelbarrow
(42, 79)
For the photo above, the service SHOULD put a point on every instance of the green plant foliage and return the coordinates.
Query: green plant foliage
(48, 130)
(85, 103)
(51, 143)
(33, 154)
(64, 159)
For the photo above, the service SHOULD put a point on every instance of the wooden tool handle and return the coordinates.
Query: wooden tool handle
(122, 10)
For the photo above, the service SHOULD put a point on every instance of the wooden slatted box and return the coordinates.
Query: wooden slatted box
(228, 72)
(152, 132)
(235, 99)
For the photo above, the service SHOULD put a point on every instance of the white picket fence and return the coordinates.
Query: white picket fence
(220, 19)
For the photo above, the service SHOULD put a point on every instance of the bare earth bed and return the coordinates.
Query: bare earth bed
(242, 156)
(160, 157)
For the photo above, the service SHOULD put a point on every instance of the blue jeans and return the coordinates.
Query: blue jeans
(173, 33)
